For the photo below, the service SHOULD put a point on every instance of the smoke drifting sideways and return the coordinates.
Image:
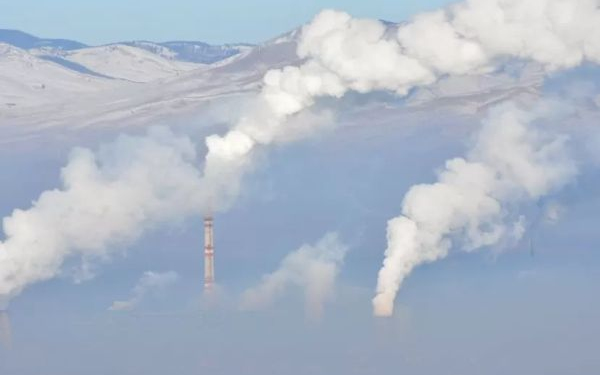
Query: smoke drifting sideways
(313, 268)
(110, 197)
(107, 199)
(342, 54)
(470, 204)
(150, 282)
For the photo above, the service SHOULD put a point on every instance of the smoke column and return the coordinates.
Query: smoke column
(107, 199)
(512, 161)
(470, 37)
(342, 54)
(313, 268)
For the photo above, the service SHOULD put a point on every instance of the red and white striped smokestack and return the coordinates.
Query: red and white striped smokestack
(209, 254)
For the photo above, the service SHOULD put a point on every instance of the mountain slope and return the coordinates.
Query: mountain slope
(171, 90)
(126, 62)
(27, 41)
(186, 51)
(196, 52)
(27, 80)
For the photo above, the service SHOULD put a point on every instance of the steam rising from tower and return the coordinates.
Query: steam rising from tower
(469, 207)
(209, 255)
(342, 54)
(112, 196)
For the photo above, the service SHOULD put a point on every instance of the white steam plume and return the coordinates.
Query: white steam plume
(342, 53)
(150, 282)
(470, 203)
(312, 267)
(107, 199)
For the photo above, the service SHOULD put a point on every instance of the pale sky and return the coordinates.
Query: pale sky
(98, 22)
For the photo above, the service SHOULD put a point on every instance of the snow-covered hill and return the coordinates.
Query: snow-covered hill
(196, 52)
(471, 93)
(138, 61)
(28, 81)
(168, 88)
(186, 51)
(126, 62)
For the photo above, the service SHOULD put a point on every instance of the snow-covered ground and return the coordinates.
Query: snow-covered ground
(128, 63)
(137, 84)
(28, 81)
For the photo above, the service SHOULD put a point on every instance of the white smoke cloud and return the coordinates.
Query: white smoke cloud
(469, 205)
(314, 268)
(343, 53)
(110, 197)
(107, 198)
(557, 33)
(150, 282)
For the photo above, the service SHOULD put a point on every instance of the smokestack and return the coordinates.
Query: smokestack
(209, 255)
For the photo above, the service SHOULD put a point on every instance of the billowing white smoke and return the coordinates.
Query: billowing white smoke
(108, 198)
(313, 268)
(150, 282)
(469, 205)
(231, 156)
(343, 53)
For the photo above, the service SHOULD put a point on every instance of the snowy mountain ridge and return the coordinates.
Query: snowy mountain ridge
(23, 40)
(122, 62)
(140, 82)
(187, 51)
(27, 80)
(190, 51)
